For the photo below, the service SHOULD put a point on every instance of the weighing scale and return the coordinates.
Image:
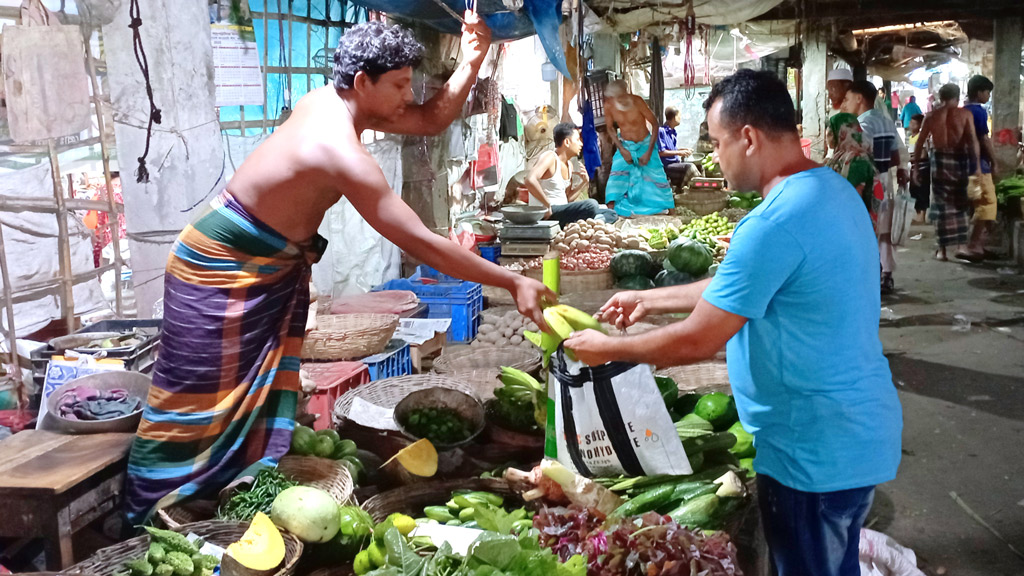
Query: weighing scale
(708, 183)
(527, 240)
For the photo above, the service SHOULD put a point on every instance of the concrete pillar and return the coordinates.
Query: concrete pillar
(1006, 96)
(186, 158)
(814, 104)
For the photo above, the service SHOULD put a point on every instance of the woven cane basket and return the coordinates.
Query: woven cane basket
(110, 561)
(411, 499)
(487, 358)
(348, 336)
(703, 377)
(323, 473)
(703, 202)
(387, 393)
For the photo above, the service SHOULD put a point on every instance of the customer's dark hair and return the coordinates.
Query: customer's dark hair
(755, 98)
(865, 89)
(670, 113)
(374, 48)
(977, 84)
(563, 132)
(949, 92)
(918, 117)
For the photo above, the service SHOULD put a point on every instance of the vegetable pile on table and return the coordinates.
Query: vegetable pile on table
(745, 200)
(516, 401)
(440, 425)
(327, 444)
(711, 168)
(171, 554)
(1012, 187)
(504, 329)
(259, 496)
(87, 403)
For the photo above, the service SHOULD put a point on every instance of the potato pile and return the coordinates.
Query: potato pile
(504, 330)
(594, 234)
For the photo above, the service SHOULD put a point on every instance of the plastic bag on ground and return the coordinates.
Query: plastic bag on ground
(880, 555)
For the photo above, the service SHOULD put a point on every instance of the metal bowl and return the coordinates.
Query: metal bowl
(525, 215)
(466, 406)
(135, 383)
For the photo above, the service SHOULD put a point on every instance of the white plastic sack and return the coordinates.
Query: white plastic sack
(902, 216)
(610, 420)
(880, 555)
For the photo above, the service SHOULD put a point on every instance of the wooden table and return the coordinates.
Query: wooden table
(52, 485)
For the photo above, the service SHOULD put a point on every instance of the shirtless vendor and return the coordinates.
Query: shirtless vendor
(225, 387)
(636, 186)
(954, 145)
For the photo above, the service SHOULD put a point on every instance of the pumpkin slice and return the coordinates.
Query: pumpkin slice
(258, 553)
(419, 458)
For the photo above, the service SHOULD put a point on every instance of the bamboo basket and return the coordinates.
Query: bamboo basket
(484, 381)
(387, 393)
(704, 202)
(323, 473)
(110, 561)
(411, 499)
(703, 377)
(348, 336)
(578, 281)
(487, 358)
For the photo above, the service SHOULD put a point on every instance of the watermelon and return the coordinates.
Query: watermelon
(689, 256)
(634, 283)
(672, 278)
(632, 263)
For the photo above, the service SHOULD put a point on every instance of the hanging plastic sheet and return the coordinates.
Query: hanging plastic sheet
(591, 145)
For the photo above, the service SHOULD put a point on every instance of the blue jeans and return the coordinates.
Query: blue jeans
(813, 534)
(581, 210)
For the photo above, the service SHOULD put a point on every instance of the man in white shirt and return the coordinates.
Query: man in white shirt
(550, 181)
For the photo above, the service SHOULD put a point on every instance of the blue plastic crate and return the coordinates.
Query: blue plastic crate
(445, 297)
(490, 252)
(395, 360)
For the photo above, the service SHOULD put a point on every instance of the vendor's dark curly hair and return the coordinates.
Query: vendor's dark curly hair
(754, 98)
(374, 48)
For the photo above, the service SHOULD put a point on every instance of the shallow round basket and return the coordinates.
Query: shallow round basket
(487, 358)
(135, 383)
(348, 336)
(387, 393)
(411, 499)
(703, 377)
(523, 215)
(323, 473)
(178, 515)
(110, 561)
(579, 281)
(704, 202)
(466, 406)
(483, 381)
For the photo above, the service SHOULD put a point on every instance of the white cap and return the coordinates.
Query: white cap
(840, 74)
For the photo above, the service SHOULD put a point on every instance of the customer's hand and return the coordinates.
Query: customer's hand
(902, 177)
(591, 347)
(624, 309)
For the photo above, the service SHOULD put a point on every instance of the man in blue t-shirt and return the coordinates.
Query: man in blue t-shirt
(981, 187)
(797, 301)
(679, 172)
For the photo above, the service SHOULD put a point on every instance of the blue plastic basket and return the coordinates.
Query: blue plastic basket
(395, 360)
(490, 252)
(445, 297)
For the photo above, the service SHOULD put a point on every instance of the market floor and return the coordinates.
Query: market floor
(961, 381)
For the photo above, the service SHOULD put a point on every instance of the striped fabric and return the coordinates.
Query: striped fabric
(635, 189)
(225, 385)
(949, 201)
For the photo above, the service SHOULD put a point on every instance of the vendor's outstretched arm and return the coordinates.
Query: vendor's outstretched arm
(437, 114)
(697, 338)
(369, 193)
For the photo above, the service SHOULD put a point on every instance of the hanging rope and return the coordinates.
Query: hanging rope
(142, 175)
(689, 71)
(705, 35)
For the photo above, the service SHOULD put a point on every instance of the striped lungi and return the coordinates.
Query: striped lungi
(225, 385)
(949, 202)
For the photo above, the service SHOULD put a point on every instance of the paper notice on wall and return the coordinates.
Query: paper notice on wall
(236, 66)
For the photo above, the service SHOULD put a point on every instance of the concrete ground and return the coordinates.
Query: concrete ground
(963, 410)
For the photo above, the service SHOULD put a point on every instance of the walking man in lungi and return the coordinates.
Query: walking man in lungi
(225, 386)
(954, 148)
(636, 186)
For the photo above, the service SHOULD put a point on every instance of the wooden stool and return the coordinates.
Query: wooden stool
(52, 485)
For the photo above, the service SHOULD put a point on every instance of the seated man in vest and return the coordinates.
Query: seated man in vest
(550, 181)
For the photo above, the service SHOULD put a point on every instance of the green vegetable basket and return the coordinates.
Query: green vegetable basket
(111, 560)
(411, 499)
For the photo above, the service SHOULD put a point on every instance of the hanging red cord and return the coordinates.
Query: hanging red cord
(705, 35)
(689, 72)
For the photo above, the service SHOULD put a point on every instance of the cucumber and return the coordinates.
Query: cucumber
(492, 499)
(466, 514)
(685, 493)
(439, 513)
(718, 441)
(646, 501)
(696, 513)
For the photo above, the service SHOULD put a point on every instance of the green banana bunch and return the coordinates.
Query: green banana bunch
(563, 321)
(519, 384)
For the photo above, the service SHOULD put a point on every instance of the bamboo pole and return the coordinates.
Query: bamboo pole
(67, 304)
(113, 217)
(12, 337)
(309, 46)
